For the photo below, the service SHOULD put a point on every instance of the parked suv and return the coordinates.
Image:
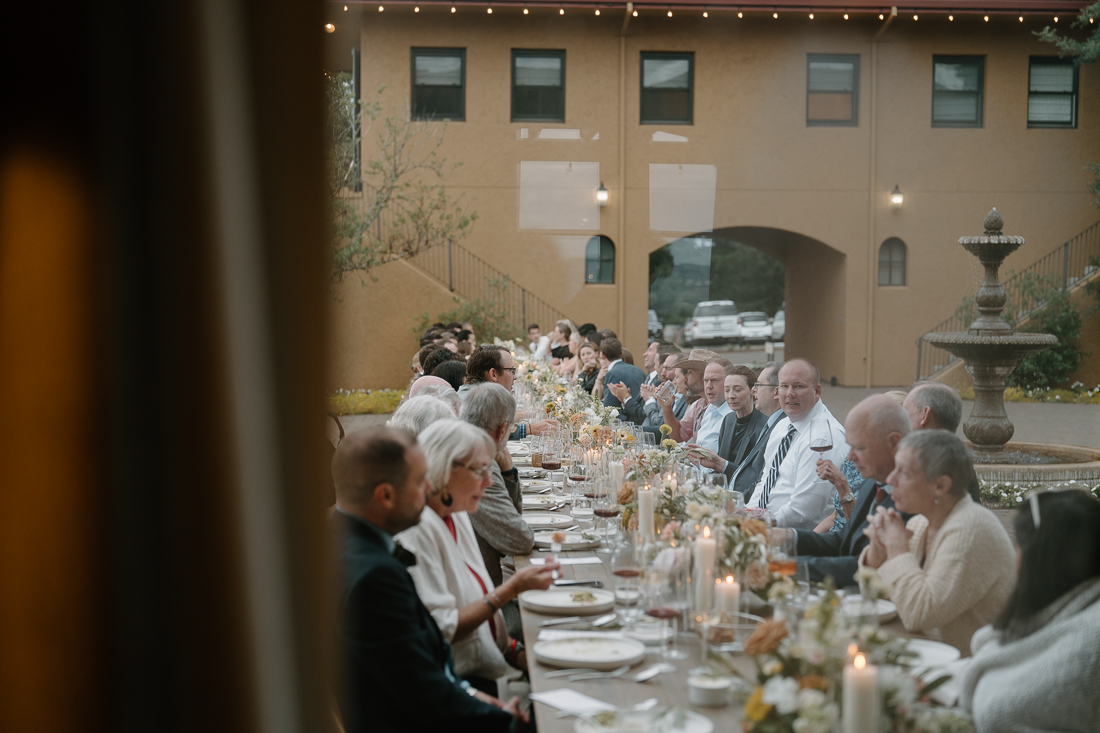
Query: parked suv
(755, 327)
(715, 320)
(656, 328)
(779, 325)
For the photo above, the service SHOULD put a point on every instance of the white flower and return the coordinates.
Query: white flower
(772, 667)
(782, 692)
(810, 700)
(614, 414)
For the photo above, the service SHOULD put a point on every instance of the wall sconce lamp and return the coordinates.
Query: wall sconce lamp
(896, 197)
(601, 195)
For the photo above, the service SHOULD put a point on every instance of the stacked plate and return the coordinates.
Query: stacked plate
(572, 541)
(548, 521)
(578, 601)
(540, 501)
(603, 653)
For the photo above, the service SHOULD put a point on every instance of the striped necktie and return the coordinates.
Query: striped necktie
(773, 472)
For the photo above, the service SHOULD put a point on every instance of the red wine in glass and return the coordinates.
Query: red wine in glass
(590, 495)
(627, 572)
(663, 612)
(821, 448)
(607, 513)
(551, 465)
(577, 478)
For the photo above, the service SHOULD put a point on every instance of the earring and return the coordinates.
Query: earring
(447, 499)
(934, 501)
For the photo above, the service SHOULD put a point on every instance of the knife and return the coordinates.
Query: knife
(566, 583)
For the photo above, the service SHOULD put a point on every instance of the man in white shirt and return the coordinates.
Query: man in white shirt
(789, 487)
(710, 425)
(540, 345)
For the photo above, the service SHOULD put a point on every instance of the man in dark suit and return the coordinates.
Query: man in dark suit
(644, 409)
(396, 668)
(744, 473)
(617, 371)
(873, 430)
(741, 427)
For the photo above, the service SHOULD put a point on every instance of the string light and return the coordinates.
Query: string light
(951, 17)
(986, 18)
(775, 15)
(345, 8)
(705, 14)
(670, 13)
(597, 11)
(416, 9)
(635, 13)
(329, 28)
(1021, 19)
(380, 8)
(489, 11)
(1055, 18)
(739, 14)
(880, 16)
(452, 8)
(561, 11)
(914, 17)
(845, 16)
(811, 16)
(525, 11)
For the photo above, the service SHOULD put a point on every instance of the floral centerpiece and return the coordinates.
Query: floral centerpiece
(799, 672)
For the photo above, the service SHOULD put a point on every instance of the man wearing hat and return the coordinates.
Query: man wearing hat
(692, 367)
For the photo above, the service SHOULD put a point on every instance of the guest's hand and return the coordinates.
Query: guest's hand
(664, 396)
(620, 390)
(541, 427)
(713, 461)
(648, 391)
(893, 534)
(827, 471)
(532, 577)
(876, 551)
(512, 706)
(591, 364)
(555, 361)
(602, 374)
(504, 460)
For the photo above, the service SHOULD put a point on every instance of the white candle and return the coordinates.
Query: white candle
(647, 505)
(674, 483)
(728, 595)
(861, 700)
(616, 472)
(705, 552)
(706, 549)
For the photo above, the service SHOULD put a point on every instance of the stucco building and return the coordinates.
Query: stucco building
(785, 127)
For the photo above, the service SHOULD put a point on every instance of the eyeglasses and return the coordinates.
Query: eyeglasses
(511, 369)
(479, 472)
(764, 384)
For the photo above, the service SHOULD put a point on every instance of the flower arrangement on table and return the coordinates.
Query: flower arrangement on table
(799, 676)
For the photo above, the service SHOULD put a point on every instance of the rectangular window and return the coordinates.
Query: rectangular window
(832, 89)
(666, 88)
(1051, 92)
(439, 83)
(957, 91)
(538, 86)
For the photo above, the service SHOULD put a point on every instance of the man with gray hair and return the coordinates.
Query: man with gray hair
(498, 522)
(937, 406)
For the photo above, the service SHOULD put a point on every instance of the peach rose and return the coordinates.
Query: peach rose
(766, 637)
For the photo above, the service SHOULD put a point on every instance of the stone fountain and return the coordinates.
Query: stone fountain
(991, 350)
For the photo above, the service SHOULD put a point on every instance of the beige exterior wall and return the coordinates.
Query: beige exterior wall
(815, 197)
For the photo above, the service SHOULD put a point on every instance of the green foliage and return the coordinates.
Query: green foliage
(365, 401)
(661, 263)
(488, 315)
(1093, 287)
(402, 207)
(1048, 368)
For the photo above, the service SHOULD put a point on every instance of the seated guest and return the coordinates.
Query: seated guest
(937, 406)
(585, 329)
(465, 348)
(843, 479)
(587, 368)
(450, 575)
(559, 340)
(745, 473)
(683, 429)
(1036, 668)
(741, 427)
(498, 522)
(709, 426)
(616, 371)
(789, 487)
(440, 356)
(396, 668)
(495, 364)
(539, 345)
(950, 568)
(416, 413)
(644, 409)
(567, 365)
(454, 372)
(873, 430)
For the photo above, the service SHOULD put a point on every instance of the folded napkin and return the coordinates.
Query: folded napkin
(556, 634)
(947, 694)
(590, 560)
(571, 700)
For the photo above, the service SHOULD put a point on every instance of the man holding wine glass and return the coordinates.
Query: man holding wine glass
(789, 487)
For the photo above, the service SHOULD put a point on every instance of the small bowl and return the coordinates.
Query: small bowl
(706, 690)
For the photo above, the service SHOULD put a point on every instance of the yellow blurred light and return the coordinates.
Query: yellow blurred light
(705, 14)
(880, 16)
(489, 11)
(775, 15)
(986, 18)
(1021, 19)
(597, 11)
(525, 11)
(670, 13)
(330, 28)
(561, 11)
(380, 8)
(951, 17)
(914, 17)
(845, 16)
(635, 13)
(811, 16)
(739, 15)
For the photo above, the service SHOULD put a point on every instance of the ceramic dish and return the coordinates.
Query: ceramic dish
(693, 722)
(580, 601)
(573, 540)
(852, 608)
(541, 501)
(548, 521)
(932, 657)
(535, 485)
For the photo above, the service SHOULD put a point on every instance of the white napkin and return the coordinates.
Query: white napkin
(590, 560)
(575, 702)
(556, 634)
(948, 693)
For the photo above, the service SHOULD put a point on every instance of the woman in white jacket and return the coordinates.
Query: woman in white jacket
(1037, 667)
(449, 573)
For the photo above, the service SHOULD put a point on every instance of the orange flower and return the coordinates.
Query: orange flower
(813, 682)
(752, 527)
(766, 637)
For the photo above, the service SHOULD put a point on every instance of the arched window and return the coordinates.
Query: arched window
(891, 262)
(599, 260)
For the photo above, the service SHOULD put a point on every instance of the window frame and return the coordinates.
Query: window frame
(670, 55)
(854, 122)
(1053, 61)
(601, 260)
(538, 53)
(973, 58)
(435, 51)
(904, 264)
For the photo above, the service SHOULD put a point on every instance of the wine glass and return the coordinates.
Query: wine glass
(551, 462)
(649, 440)
(607, 509)
(627, 576)
(821, 436)
(782, 551)
(666, 587)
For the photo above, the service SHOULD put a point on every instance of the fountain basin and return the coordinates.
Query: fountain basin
(1047, 464)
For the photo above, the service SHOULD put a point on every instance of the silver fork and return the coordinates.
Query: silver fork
(599, 675)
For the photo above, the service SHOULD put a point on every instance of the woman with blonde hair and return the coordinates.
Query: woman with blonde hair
(450, 574)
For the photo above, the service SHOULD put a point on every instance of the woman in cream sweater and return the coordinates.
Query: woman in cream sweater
(950, 569)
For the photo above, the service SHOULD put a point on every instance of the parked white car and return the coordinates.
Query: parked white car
(755, 327)
(714, 321)
(656, 328)
(779, 325)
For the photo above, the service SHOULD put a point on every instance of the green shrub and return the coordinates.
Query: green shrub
(1053, 366)
(488, 315)
(365, 401)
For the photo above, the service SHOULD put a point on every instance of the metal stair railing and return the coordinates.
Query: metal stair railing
(1070, 263)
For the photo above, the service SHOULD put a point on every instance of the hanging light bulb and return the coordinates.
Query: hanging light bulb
(986, 18)
(1021, 19)
(775, 15)
(705, 14)
(845, 16)
(452, 8)
(1055, 18)
(635, 13)
(670, 13)
(597, 11)
(345, 8)
(951, 17)
(914, 17)
(811, 16)
(380, 8)
(525, 11)
(880, 16)
(561, 11)
(330, 28)
(739, 14)
(416, 9)
(489, 11)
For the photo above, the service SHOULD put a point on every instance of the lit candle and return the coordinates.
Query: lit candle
(705, 552)
(861, 703)
(616, 468)
(674, 483)
(728, 594)
(647, 505)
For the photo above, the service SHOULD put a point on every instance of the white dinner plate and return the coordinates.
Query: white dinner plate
(535, 485)
(519, 449)
(548, 521)
(541, 501)
(932, 657)
(852, 607)
(693, 723)
(533, 473)
(574, 601)
(573, 540)
(592, 653)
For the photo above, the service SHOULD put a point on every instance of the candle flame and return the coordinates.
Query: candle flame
(729, 579)
(860, 662)
(718, 581)
(706, 532)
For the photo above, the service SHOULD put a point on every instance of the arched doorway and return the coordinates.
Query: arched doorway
(685, 272)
